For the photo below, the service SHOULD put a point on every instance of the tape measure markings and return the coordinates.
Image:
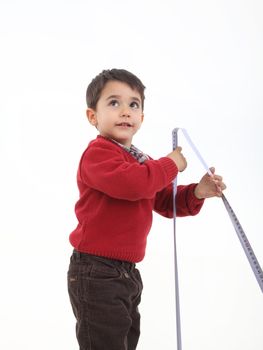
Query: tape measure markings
(237, 226)
(176, 280)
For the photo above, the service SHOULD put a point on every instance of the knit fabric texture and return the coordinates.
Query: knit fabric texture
(118, 191)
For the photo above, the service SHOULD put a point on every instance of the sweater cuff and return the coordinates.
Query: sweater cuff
(194, 204)
(169, 167)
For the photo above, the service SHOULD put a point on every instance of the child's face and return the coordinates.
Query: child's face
(118, 113)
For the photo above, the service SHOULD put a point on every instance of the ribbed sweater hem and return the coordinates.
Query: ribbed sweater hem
(133, 257)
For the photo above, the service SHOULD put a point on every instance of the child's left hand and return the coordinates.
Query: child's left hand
(210, 186)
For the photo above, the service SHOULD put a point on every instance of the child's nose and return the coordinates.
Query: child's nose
(125, 111)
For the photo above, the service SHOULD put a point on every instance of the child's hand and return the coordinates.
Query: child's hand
(178, 158)
(210, 186)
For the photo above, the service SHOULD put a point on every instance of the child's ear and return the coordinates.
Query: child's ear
(91, 115)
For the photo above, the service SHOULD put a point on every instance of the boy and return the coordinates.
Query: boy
(119, 187)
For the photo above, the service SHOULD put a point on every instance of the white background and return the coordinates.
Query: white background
(201, 62)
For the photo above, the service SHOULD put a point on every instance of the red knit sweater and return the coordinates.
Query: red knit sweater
(117, 197)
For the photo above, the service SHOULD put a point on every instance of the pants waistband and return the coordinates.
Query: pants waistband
(79, 256)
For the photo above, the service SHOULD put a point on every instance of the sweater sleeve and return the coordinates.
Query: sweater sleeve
(186, 201)
(106, 169)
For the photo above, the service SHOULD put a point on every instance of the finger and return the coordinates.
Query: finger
(218, 178)
(218, 186)
(223, 186)
(212, 169)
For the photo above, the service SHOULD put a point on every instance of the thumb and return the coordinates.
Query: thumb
(212, 169)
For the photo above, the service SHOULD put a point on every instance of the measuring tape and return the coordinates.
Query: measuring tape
(238, 228)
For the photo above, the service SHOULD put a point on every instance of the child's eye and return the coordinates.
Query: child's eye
(134, 105)
(114, 103)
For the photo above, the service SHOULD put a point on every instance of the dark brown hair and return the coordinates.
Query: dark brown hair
(97, 84)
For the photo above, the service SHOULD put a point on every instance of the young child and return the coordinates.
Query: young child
(119, 188)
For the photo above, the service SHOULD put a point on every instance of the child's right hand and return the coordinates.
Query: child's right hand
(178, 158)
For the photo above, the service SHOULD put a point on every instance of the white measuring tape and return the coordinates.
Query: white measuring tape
(238, 228)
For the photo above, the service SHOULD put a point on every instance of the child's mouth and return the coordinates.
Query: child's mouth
(127, 125)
